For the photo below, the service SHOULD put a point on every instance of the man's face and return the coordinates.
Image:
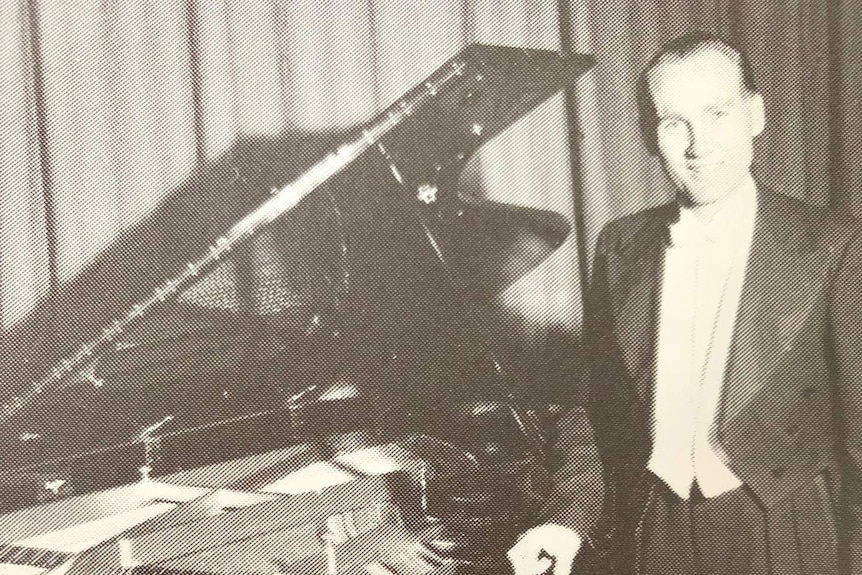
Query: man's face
(706, 124)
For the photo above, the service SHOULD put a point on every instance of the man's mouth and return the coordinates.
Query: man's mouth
(702, 167)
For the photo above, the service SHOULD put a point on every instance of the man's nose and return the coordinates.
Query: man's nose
(700, 141)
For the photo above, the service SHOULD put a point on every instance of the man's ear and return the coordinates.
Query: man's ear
(758, 114)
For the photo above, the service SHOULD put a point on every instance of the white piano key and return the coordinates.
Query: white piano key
(9, 569)
(314, 477)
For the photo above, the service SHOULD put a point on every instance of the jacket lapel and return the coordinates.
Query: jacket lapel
(634, 272)
(781, 284)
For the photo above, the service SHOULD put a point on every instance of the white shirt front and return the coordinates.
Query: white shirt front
(704, 269)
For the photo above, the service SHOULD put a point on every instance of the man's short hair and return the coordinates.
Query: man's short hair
(681, 47)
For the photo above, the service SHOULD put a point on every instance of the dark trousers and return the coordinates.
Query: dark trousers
(666, 535)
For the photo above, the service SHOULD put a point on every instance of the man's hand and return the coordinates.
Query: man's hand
(548, 548)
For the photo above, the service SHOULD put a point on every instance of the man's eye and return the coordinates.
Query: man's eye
(670, 125)
(719, 113)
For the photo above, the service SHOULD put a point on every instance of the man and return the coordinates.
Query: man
(721, 427)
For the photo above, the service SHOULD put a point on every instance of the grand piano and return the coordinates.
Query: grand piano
(369, 423)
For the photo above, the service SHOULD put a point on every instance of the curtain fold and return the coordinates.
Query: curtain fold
(24, 275)
(790, 48)
(117, 120)
(847, 178)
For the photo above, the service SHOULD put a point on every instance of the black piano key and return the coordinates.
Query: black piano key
(17, 551)
(33, 556)
(27, 556)
(41, 556)
(54, 559)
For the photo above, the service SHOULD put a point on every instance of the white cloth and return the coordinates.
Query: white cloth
(704, 268)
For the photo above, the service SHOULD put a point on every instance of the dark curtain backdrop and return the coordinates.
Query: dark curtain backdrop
(124, 120)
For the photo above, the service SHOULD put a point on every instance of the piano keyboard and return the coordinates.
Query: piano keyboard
(160, 528)
(43, 539)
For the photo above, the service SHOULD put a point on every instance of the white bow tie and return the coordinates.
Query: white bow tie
(688, 230)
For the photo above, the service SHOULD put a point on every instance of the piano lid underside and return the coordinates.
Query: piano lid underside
(366, 307)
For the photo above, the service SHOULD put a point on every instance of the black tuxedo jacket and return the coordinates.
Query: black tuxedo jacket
(790, 418)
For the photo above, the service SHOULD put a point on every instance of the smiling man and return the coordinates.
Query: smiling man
(720, 429)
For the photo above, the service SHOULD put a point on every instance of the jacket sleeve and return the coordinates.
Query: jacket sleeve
(577, 498)
(846, 322)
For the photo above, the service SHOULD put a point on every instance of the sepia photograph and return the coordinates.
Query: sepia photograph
(455, 287)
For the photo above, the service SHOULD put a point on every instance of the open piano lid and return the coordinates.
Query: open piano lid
(370, 307)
